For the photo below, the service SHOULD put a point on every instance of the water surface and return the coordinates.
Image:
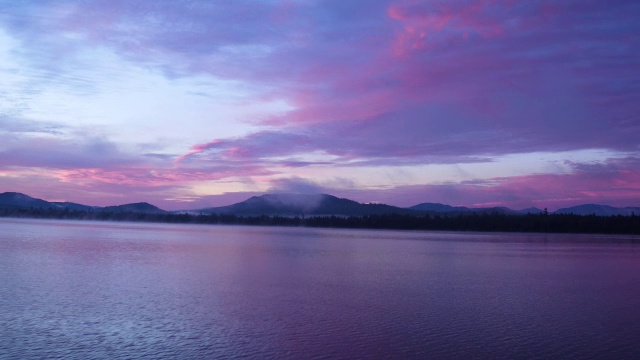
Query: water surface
(97, 290)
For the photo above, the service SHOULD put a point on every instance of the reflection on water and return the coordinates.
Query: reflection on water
(121, 290)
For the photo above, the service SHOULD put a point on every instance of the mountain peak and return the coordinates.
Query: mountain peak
(287, 204)
(16, 199)
(436, 207)
(140, 207)
(14, 195)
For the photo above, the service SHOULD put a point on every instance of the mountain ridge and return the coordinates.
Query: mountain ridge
(289, 204)
(18, 200)
(443, 208)
(286, 204)
(602, 210)
(140, 207)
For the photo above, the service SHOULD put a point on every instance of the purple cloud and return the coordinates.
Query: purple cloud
(295, 185)
(487, 78)
(614, 182)
(381, 83)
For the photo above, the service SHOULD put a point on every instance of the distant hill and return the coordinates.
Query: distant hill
(436, 207)
(75, 206)
(531, 210)
(442, 208)
(19, 200)
(600, 210)
(15, 200)
(142, 208)
(304, 204)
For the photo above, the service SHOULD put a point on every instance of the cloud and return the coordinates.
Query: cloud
(384, 83)
(60, 152)
(516, 69)
(525, 78)
(423, 134)
(613, 182)
(295, 185)
(17, 125)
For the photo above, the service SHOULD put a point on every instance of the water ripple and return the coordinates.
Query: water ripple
(74, 291)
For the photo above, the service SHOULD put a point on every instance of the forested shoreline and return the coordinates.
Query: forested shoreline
(541, 223)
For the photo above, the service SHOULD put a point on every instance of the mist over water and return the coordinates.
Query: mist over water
(89, 290)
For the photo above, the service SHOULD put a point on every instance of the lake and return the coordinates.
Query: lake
(98, 290)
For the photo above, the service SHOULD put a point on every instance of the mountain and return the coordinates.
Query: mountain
(442, 208)
(19, 200)
(531, 210)
(304, 204)
(142, 208)
(323, 204)
(75, 206)
(600, 210)
(436, 207)
(15, 200)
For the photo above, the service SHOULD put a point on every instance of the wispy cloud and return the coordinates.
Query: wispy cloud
(265, 90)
(615, 182)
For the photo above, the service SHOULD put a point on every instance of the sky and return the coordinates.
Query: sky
(191, 104)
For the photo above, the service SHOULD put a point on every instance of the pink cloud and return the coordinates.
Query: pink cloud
(427, 24)
(332, 61)
(156, 177)
(197, 149)
(475, 79)
(615, 182)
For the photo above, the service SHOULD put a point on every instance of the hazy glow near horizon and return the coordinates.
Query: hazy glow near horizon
(201, 103)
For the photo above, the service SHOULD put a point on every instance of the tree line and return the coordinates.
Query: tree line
(544, 223)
